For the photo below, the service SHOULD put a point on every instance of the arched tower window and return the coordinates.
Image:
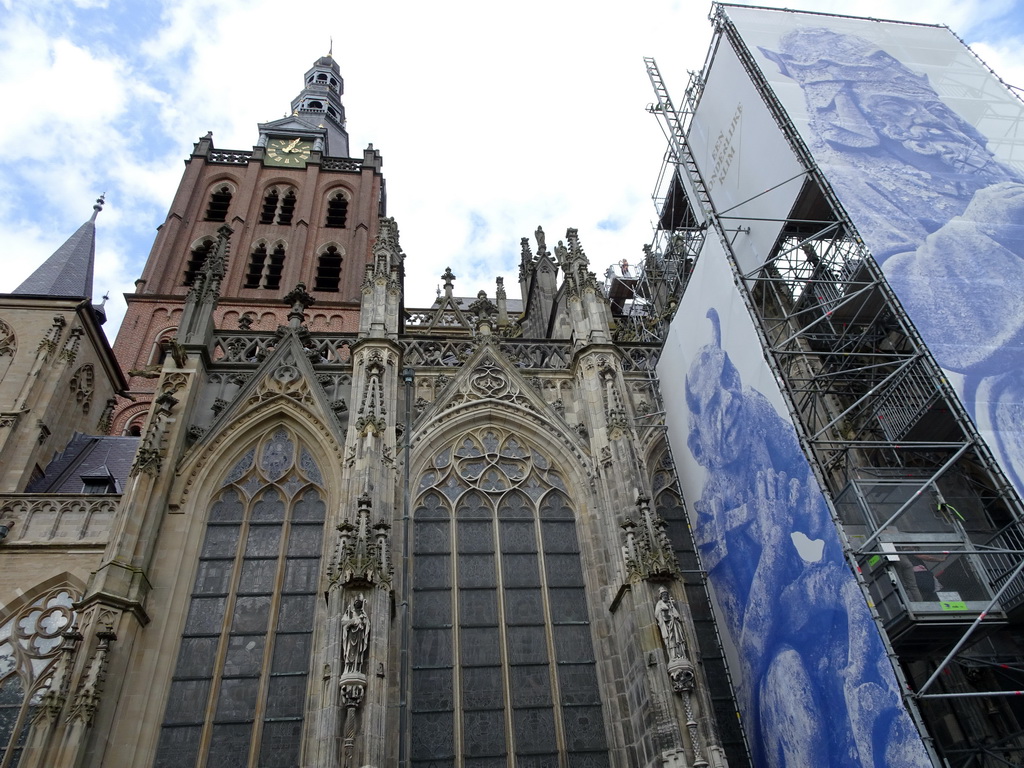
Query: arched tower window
(265, 267)
(239, 688)
(337, 211)
(270, 207)
(328, 270)
(29, 645)
(501, 630)
(220, 199)
(196, 260)
(278, 206)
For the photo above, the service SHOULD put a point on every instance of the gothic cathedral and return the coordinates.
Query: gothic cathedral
(289, 521)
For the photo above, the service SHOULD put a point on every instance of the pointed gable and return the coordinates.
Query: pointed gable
(285, 377)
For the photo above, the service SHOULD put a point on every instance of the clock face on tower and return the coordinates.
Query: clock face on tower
(290, 151)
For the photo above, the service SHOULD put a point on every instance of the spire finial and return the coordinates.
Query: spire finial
(449, 281)
(98, 206)
(330, 49)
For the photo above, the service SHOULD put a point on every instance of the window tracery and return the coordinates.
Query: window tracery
(82, 385)
(8, 347)
(500, 621)
(29, 645)
(8, 344)
(238, 692)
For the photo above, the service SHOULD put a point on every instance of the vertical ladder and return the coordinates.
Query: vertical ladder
(674, 127)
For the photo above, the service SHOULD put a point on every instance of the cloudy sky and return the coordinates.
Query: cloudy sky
(492, 118)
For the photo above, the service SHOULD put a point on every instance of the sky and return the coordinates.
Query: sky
(492, 118)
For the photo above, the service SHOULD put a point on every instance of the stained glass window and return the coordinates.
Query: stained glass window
(503, 661)
(238, 692)
(30, 640)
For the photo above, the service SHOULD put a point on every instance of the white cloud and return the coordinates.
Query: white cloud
(520, 114)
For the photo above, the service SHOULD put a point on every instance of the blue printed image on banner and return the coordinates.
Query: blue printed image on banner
(939, 210)
(815, 685)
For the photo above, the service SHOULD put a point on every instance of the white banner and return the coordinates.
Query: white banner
(732, 137)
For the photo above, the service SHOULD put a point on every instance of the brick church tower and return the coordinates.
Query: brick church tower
(297, 209)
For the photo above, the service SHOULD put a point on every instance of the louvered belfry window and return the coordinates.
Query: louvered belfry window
(239, 688)
(503, 669)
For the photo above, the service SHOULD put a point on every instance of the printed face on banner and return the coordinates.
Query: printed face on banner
(813, 680)
(923, 147)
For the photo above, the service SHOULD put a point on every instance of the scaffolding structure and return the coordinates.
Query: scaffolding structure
(930, 522)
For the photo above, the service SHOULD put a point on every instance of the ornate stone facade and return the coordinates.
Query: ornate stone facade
(407, 536)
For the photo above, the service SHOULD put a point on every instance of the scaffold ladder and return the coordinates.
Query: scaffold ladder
(674, 127)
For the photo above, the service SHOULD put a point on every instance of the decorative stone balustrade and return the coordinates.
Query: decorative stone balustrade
(229, 157)
(58, 519)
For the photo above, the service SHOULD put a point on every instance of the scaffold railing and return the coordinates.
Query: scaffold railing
(873, 409)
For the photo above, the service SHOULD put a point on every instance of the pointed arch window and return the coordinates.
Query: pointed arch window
(265, 267)
(197, 258)
(239, 688)
(278, 206)
(337, 211)
(328, 270)
(220, 199)
(500, 625)
(30, 643)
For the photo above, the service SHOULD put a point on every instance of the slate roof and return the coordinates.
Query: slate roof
(68, 272)
(88, 456)
(513, 306)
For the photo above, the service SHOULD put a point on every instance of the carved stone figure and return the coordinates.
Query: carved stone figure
(355, 637)
(671, 625)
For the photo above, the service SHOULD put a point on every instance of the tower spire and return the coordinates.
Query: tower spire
(317, 111)
(68, 272)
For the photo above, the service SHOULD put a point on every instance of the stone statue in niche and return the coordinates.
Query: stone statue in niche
(355, 629)
(671, 625)
(680, 668)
